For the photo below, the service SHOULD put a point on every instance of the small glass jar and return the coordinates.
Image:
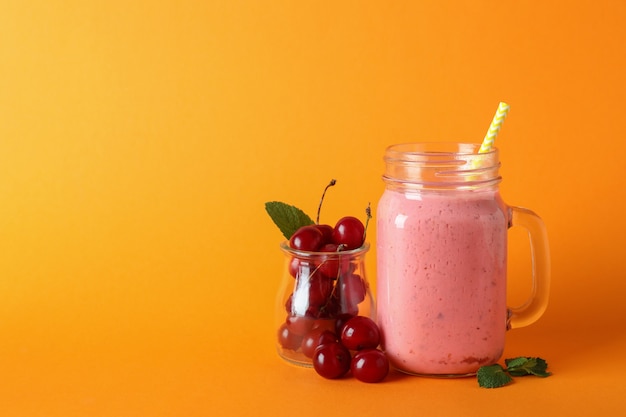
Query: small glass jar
(318, 289)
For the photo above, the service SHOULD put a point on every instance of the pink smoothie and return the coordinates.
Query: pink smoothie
(441, 284)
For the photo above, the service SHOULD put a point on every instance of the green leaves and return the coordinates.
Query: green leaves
(527, 366)
(495, 376)
(288, 218)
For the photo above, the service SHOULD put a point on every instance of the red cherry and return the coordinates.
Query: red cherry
(341, 307)
(314, 338)
(331, 360)
(320, 288)
(301, 267)
(299, 325)
(330, 308)
(359, 333)
(329, 266)
(327, 232)
(311, 293)
(349, 231)
(287, 339)
(294, 266)
(326, 324)
(329, 247)
(341, 321)
(352, 290)
(307, 238)
(370, 365)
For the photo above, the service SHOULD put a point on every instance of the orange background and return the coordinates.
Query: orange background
(139, 141)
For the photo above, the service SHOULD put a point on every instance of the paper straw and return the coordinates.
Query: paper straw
(494, 128)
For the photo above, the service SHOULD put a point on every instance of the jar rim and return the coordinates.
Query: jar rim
(284, 246)
(410, 150)
(441, 166)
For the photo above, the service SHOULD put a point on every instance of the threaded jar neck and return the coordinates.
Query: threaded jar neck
(440, 166)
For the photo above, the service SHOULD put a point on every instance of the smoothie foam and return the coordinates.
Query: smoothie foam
(442, 279)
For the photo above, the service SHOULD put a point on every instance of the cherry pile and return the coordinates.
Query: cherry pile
(327, 278)
(332, 357)
(351, 345)
(326, 323)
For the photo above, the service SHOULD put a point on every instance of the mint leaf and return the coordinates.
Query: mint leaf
(527, 366)
(493, 376)
(288, 218)
(516, 362)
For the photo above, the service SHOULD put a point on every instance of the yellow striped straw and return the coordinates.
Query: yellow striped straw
(494, 128)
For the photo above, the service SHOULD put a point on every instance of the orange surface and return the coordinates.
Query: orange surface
(139, 141)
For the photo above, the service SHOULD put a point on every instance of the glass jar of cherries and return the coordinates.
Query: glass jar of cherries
(324, 284)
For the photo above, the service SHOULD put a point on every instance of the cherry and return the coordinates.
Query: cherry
(330, 247)
(288, 339)
(339, 307)
(307, 238)
(345, 308)
(311, 293)
(326, 324)
(349, 231)
(330, 308)
(331, 360)
(294, 267)
(319, 288)
(359, 333)
(329, 266)
(341, 321)
(327, 232)
(316, 337)
(299, 268)
(352, 290)
(370, 365)
(299, 325)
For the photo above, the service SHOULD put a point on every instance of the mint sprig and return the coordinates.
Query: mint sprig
(288, 218)
(495, 376)
(527, 366)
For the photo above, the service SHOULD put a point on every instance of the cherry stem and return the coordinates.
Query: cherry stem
(319, 208)
(368, 213)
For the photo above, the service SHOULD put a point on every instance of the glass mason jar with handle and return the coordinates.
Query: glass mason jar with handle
(442, 259)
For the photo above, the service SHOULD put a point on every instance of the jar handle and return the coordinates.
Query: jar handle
(534, 307)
